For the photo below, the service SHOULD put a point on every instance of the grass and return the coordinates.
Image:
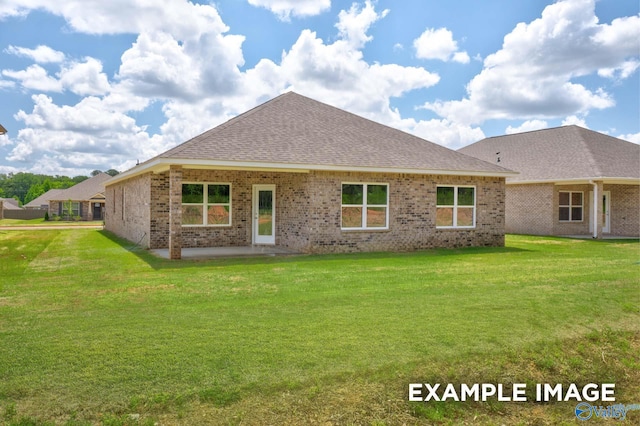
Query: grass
(93, 330)
(41, 222)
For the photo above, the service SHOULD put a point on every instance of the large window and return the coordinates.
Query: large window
(570, 206)
(365, 206)
(206, 204)
(456, 207)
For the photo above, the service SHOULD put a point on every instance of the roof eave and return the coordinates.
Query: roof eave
(160, 165)
(578, 181)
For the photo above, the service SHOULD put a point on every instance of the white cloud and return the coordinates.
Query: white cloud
(625, 70)
(284, 9)
(527, 126)
(572, 119)
(41, 54)
(631, 137)
(35, 78)
(354, 24)
(532, 75)
(444, 132)
(439, 44)
(85, 78)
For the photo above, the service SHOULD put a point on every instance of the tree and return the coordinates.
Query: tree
(96, 172)
(112, 172)
(34, 192)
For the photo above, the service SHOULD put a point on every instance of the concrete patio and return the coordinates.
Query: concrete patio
(218, 252)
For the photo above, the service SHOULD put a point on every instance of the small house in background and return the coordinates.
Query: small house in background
(571, 181)
(42, 202)
(308, 177)
(85, 200)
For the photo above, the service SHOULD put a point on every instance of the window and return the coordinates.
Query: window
(570, 206)
(206, 204)
(365, 206)
(456, 207)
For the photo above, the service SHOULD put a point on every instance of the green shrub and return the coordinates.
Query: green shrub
(46, 216)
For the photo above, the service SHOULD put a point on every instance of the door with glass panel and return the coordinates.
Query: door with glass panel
(264, 214)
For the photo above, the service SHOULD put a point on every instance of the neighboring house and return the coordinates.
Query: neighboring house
(86, 199)
(306, 176)
(42, 202)
(568, 176)
(10, 204)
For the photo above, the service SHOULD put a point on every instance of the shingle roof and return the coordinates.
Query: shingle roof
(84, 190)
(561, 153)
(10, 204)
(300, 132)
(44, 198)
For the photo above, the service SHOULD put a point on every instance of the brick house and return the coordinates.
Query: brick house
(567, 177)
(86, 199)
(306, 176)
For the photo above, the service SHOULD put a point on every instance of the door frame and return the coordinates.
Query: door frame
(606, 227)
(262, 239)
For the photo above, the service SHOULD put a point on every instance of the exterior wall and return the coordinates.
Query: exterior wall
(1, 209)
(572, 228)
(625, 210)
(528, 209)
(127, 212)
(86, 208)
(308, 208)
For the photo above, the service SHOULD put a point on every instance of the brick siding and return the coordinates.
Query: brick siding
(308, 209)
(625, 210)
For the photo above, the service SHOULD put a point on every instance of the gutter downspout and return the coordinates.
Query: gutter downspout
(595, 208)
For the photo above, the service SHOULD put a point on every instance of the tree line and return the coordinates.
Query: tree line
(25, 187)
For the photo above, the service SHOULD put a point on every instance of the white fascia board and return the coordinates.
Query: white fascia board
(578, 181)
(160, 165)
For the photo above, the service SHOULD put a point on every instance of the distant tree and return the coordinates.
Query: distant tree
(96, 172)
(34, 192)
(112, 172)
(78, 179)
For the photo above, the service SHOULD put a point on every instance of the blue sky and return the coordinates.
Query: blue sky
(91, 84)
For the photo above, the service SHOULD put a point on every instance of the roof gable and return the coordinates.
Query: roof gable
(298, 132)
(84, 190)
(562, 153)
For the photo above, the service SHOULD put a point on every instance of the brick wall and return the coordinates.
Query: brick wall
(528, 209)
(625, 210)
(308, 208)
(127, 211)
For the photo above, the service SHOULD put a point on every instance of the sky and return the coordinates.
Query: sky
(94, 84)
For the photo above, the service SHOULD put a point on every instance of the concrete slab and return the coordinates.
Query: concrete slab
(217, 252)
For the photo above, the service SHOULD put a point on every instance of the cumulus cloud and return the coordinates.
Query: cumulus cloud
(572, 119)
(527, 126)
(41, 54)
(354, 23)
(85, 78)
(284, 9)
(631, 137)
(35, 78)
(534, 73)
(439, 44)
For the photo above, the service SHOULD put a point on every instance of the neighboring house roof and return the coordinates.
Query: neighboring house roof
(44, 199)
(85, 190)
(293, 132)
(10, 204)
(569, 153)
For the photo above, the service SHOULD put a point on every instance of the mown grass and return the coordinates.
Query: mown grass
(41, 222)
(93, 330)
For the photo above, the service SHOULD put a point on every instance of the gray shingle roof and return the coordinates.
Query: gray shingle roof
(44, 198)
(293, 129)
(10, 204)
(84, 190)
(561, 153)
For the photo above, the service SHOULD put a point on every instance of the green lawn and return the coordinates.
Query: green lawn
(93, 330)
(41, 222)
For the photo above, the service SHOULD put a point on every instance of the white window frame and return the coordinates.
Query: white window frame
(455, 206)
(364, 206)
(205, 204)
(570, 206)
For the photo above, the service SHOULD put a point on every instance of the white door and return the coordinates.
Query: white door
(264, 214)
(606, 212)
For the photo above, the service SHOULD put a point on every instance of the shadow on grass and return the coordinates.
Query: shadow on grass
(156, 262)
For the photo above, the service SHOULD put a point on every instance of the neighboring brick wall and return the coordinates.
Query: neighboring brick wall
(308, 212)
(127, 212)
(528, 209)
(625, 210)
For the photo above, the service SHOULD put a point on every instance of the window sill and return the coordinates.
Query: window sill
(454, 228)
(206, 226)
(360, 230)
